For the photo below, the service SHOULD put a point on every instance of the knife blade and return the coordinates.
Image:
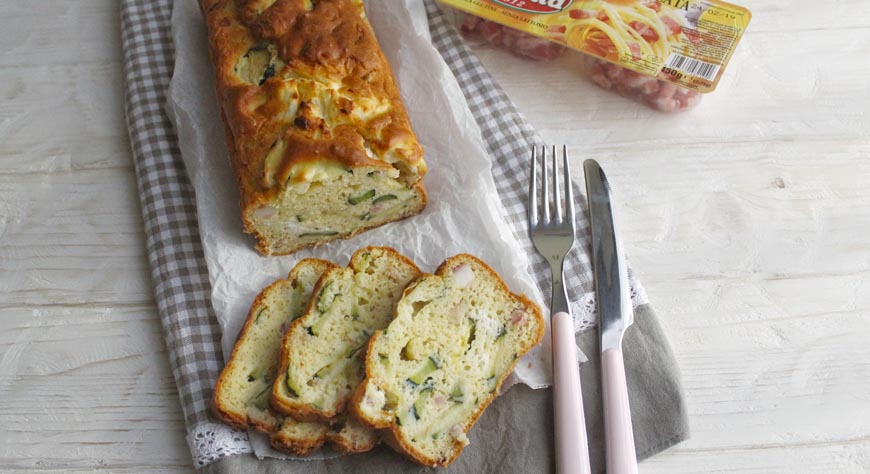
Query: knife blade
(615, 315)
(612, 291)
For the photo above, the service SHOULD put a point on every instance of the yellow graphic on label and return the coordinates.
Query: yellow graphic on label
(686, 42)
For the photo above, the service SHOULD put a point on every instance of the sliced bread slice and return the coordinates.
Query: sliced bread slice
(300, 438)
(431, 373)
(344, 434)
(240, 398)
(323, 351)
(242, 393)
(348, 435)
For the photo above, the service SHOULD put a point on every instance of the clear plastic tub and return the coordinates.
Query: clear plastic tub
(656, 93)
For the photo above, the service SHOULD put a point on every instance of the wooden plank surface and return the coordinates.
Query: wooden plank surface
(746, 219)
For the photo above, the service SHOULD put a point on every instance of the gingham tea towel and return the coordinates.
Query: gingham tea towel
(178, 270)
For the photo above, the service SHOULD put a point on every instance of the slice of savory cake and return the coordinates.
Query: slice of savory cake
(323, 351)
(348, 435)
(316, 129)
(430, 374)
(243, 390)
(303, 437)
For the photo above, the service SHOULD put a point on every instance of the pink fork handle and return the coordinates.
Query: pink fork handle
(618, 433)
(572, 451)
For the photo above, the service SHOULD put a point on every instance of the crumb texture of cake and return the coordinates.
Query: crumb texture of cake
(244, 387)
(350, 436)
(301, 438)
(317, 133)
(456, 336)
(322, 355)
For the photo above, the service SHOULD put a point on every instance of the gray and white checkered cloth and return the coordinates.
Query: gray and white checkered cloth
(175, 254)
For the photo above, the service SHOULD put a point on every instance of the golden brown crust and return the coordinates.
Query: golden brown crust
(240, 420)
(327, 57)
(302, 411)
(230, 418)
(344, 445)
(295, 446)
(267, 428)
(390, 434)
(341, 444)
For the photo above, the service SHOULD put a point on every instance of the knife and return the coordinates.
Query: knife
(615, 315)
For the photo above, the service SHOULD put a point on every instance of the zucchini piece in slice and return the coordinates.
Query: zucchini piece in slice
(470, 334)
(333, 368)
(457, 396)
(411, 416)
(325, 233)
(491, 381)
(424, 371)
(317, 328)
(420, 403)
(354, 200)
(254, 65)
(326, 297)
(261, 401)
(294, 392)
(500, 354)
(501, 332)
(384, 198)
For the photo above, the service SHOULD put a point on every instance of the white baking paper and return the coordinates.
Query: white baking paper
(464, 214)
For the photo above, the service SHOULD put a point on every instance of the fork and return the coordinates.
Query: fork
(553, 236)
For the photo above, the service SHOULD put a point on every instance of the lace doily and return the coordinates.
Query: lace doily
(210, 442)
(584, 307)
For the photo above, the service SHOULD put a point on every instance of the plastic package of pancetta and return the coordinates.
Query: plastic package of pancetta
(663, 53)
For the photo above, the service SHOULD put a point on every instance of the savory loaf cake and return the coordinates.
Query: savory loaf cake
(243, 390)
(429, 375)
(323, 351)
(317, 133)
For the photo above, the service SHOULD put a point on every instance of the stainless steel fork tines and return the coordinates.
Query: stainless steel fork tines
(552, 227)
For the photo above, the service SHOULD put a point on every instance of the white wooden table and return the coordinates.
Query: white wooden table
(747, 220)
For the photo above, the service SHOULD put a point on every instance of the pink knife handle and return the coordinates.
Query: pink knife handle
(572, 451)
(618, 433)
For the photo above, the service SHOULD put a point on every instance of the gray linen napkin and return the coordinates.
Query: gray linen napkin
(506, 439)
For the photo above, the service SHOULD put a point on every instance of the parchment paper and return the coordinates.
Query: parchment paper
(464, 214)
